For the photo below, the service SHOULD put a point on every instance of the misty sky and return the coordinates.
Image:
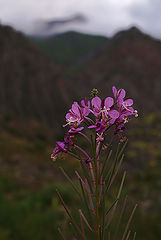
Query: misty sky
(104, 17)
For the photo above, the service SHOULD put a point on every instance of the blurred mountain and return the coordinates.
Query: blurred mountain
(130, 60)
(69, 48)
(34, 87)
(31, 86)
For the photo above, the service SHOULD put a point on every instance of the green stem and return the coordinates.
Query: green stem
(98, 229)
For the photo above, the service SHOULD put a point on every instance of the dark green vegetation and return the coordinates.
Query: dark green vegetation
(34, 96)
(28, 204)
(71, 48)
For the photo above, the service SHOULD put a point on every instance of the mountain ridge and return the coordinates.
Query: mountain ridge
(129, 60)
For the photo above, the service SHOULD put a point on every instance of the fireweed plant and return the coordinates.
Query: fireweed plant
(95, 121)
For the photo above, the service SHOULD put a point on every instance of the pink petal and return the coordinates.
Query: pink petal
(75, 130)
(113, 114)
(92, 126)
(96, 102)
(68, 116)
(112, 120)
(130, 112)
(114, 91)
(76, 108)
(121, 93)
(79, 129)
(109, 102)
(83, 103)
(86, 111)
(96, 111)
(128, 102)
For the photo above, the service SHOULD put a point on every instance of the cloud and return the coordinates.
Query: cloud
(147, 15)
(52, 26)
(105, 16)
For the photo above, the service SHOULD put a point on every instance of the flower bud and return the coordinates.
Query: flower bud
(94, 93)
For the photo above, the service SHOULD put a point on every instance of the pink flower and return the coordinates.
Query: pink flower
(124, 103)
(60, 147)
(104, 108)
(85, 103)
(96, 104)
(76, 115)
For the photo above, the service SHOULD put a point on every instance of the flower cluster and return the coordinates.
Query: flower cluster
(99, 115)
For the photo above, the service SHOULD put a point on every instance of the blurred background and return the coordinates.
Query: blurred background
(55, 52)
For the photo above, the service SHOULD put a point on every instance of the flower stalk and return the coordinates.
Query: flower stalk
(108, 116)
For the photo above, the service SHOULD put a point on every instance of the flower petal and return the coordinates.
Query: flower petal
(92, 126)
(96, 102)
(128, 102)
(113, 114)
(114, 91)
(86, 111)
(121, 93)
(76, 108)
(68, 116)
(108, 102)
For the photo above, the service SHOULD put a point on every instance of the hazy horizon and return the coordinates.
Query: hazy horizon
(102, 18)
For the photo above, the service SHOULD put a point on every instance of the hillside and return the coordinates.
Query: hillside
(31, 86)
(130, 60)
(69, 48)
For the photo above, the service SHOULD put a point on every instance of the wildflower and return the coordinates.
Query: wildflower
(107, 104)
(96, 104)
(60, 147)
(103, 107)
(100, 126)
(124, 103)
(76, 115)
(85, 103)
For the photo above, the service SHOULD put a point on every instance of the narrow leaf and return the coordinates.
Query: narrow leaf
(85, 200)
(84, 218)
(72, 183)
(113, 168)
(134, 236)
(61, 234)
(113, 204)
(86, 175)
(105, 162)
(123, 148)
(128, 235)
(116, 171)
(118, 196)
(120, 218)
(82, 225)
(68, 212)
(129, 221)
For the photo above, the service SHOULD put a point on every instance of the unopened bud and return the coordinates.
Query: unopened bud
(94, 93)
